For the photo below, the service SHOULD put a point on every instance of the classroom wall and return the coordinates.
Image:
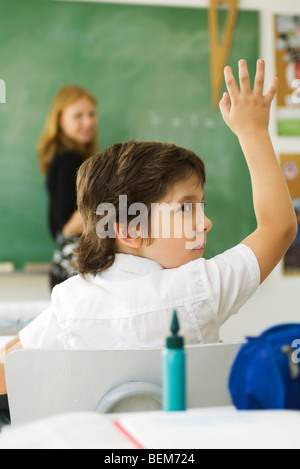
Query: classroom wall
(23, 287)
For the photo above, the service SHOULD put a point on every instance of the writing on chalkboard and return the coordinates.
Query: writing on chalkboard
(2, 92)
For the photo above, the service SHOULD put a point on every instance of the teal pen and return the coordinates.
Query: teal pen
(174, 370)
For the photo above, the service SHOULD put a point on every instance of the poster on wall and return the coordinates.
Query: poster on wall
(290, 165)
(287, 53)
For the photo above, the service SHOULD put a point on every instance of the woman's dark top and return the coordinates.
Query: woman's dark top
(61, 184)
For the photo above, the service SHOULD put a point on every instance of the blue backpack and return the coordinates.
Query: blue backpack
(266, 372)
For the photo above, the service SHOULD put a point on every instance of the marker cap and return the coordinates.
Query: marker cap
(175, 341)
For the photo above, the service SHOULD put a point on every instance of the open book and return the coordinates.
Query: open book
(214, 428)
(194, 429)
(78, 430)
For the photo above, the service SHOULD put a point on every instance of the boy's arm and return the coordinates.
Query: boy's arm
(13, 345)
(247, 115)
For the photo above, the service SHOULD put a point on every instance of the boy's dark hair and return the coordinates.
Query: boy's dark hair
(143, 171)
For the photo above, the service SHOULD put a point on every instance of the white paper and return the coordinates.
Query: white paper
(78, 430)
(222, 428)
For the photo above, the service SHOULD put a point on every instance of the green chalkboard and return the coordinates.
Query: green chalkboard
(148, 66)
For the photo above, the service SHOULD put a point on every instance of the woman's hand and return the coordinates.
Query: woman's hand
(74, 226)
(243, 110)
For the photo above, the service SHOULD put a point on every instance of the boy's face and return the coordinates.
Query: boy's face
(179, 231)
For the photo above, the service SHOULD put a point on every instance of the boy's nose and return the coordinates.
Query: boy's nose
(204, 225)
(207, 224)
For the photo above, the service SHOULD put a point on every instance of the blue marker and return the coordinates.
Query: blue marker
(173, 367)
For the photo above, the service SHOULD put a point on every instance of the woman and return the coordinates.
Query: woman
(69, 138)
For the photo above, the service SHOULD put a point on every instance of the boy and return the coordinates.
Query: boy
(132, 276)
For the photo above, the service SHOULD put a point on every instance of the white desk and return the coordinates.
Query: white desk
(22, 297)
(14, 315)
(210, 428)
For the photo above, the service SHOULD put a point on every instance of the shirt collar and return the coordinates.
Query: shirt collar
(130, 264)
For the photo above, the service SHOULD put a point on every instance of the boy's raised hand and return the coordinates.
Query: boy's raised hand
(245, 110)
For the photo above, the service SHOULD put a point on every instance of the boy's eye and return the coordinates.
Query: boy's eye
(188, 207)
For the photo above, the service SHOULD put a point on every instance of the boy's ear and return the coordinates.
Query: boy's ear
(131, 238)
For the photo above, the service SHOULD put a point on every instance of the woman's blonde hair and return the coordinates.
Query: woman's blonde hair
(53, 139)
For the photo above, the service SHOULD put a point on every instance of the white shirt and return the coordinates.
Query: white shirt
(131, 305)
